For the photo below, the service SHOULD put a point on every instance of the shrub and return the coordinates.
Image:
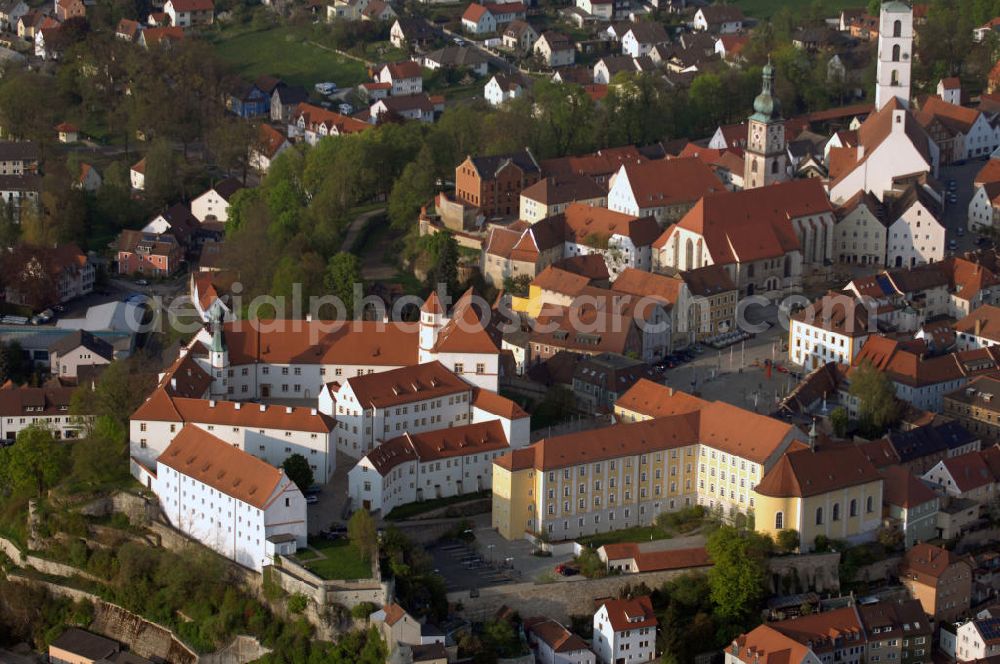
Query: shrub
(297, 603)
(363, 610)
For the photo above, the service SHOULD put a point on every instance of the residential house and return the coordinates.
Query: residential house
(270, 143)
(176, 220)
(719, 19)
(980, 329)
(623, 240)
(41, 276)
(891, 143)
(599, 166)
(676, 449)
(377, 10)
(831, 329)
(411, 33)
(920, 448)
(554, 644)
(137, 175)
(18, 157)
(503, 87)
(457, 57)
(313, 123)
(765, 644)
(148, 253)
(826, 489)
(438, 463)
(213, 204)
(419, 107)
(950, 90)
(550, 196)
(978, 640)
(190, 13)
(160, 36)
(20, 190)
(610, 66)
(478, 20)
(599, 9)
(991, 26)
(973, 475)
(911, 505)
(494, 184)
(860, 233)
(555, 49)
(960, 133)
(915, 233)
(22, 407)
(250, 100)
(128, 30)
(977, 407)
(640, 39)
(730, 47)
(67, 9)
(939, 579)
(284, 100)
(89, 179)
(232, 502)
(625, 631)
(11, 12)
(664, 188)
(404, 77)
(763, 237)
(46, 37)
(897, 631)
(519, 36)
(79, 348)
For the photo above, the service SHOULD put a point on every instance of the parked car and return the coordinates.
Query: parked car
(141, 282)
(326, 88)
(312, 499)
(566, 569)
(952, 244)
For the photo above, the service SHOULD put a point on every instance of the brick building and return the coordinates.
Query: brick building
(494, 184)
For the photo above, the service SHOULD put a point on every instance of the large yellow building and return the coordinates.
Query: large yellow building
(672, 450)
(829, 489)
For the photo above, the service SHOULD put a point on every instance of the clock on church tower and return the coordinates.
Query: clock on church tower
(765, 161)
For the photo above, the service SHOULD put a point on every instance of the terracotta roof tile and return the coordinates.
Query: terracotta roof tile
(806, 472)
(628, 614)
(477, 438)
(406, 384)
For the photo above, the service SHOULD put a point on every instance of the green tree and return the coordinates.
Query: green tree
(120, 390)
(162, 183)
(414, 189)
(788, 540)
(362, 533)
(839, 420)
(500, 639)
(591, 565)
(297, 469)
(35, 462)
(343, 271)
(13, 364)
(739, 569)
(442, 255)
(876, 395)
(517, 285)
(101, 456)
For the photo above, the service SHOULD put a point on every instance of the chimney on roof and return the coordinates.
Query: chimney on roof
(288, 410)
(670, 391)
(312, 411)
(263, 407)
(211, 403)
(812, 436)
(979, 327)
(237, 405)
(309, 318)
(173, 383)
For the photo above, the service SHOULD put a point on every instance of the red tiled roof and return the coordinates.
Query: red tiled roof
(200, 455)
(903, 489)
(498, 405)
(477, 438)
(810, 472)
(926, 563)
(416, 382)
(192, 5)
(628, 614)
(668, 182)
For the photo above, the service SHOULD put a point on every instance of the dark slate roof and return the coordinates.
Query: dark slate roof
(930, 439)
(18, 151)
(85, 644)
(488, 166)
(292, 94)
(83, 338)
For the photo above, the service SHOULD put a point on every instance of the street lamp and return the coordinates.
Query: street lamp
(490, 548)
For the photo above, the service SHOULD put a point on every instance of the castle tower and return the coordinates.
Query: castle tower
(218, 354)
(895, 53)
(766, 160)
(431, 320)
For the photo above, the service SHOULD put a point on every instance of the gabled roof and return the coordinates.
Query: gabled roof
(581, 222)
(648, 284)
(628, 614)
(904, 489)
(477, 438)
(824, 631)
(269, 141)
(839, 313)
(927, 563)
(715, 14)
(957, 118)
(402, 70)
(24, 400)
(467, 331)
(417, 382)
(754, 224)
(192, 5)
(973, 469)
(984, 322)
(648, 32)
(488, 166)
(766, 645)
(566, 189)
(198, 454)
(668, 182)
(872, 133)
(474, 12)
(82, 338)
(558, 638)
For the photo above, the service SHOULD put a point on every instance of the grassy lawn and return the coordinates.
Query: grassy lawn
(413, 509)
(283, 51)
(637, 534)
(343, 561)
(766, 8)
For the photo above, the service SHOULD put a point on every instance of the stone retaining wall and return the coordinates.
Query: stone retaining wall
(294, 578)
(142, 637)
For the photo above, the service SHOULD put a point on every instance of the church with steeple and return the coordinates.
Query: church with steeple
(766, 160)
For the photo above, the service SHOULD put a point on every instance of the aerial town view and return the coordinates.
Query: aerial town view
(530, 331)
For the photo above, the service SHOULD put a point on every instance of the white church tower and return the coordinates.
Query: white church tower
(432, 319)
(218, 354)
(895, 53)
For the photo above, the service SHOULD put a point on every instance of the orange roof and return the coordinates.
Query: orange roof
(465, 332)
(393, 613)
(926, 563)
(648, 284)
(583, 221)
(432, 304)
(766, 645)
(973, 469)
(560, 281)
(558, 638)
(983, 322)
(668, 182)
(656, 400)
(597, 164)
(373, 343)
(823, 630)
(64, 127)
(232, 413)
(270, 140)
(417, 382)
(952, 115)
(755, 224)
(474, 12)
(657, 561)
(875, 129)
(990, 172)
(140, 166)
(153, 36)
(628, 614)
(903, 489)
(316, 116)
(403, 69)
(498, 405)
(806, 472)
(520, 459)
(198, 454)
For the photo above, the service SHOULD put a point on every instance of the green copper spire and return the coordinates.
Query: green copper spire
(766, 106)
